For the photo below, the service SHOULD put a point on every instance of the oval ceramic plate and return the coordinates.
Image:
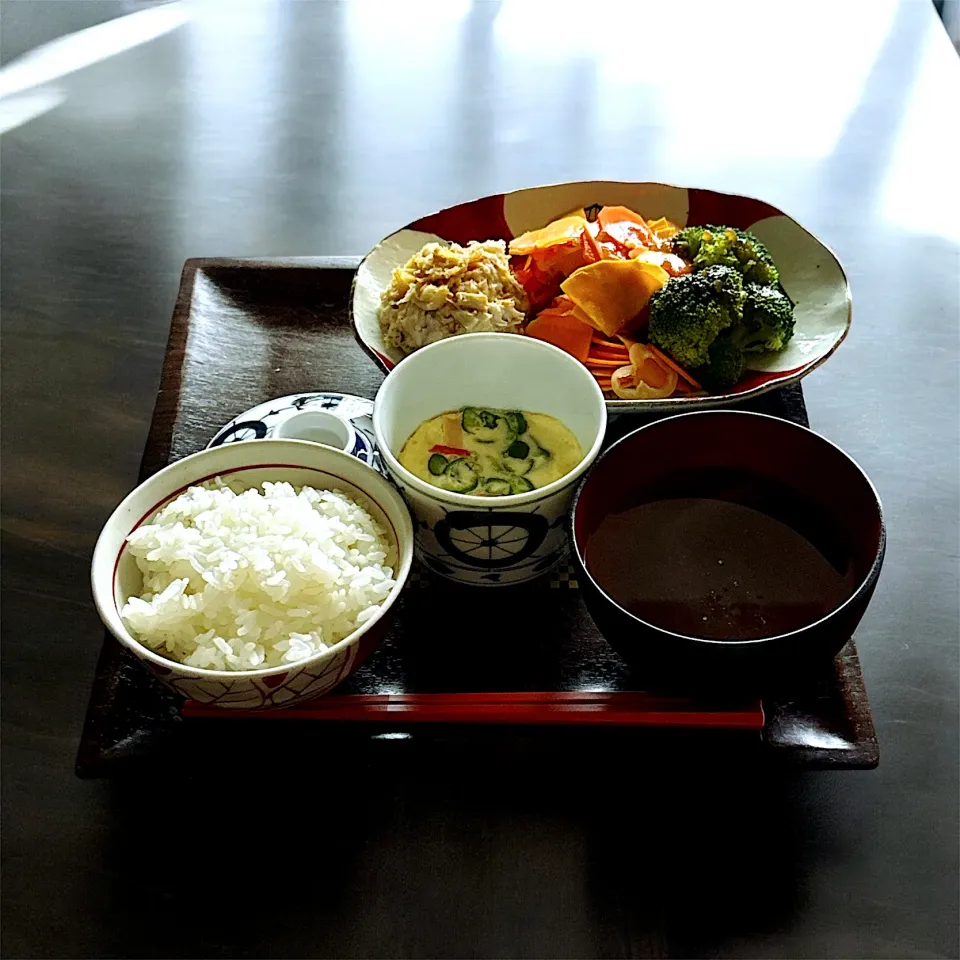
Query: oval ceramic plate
(809, 272)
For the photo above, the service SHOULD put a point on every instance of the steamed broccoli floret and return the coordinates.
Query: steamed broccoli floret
(725, 365)
(767, 319)
(756, 264)
(686, 243)
(688, 313)
(729, 247)
(727, 286)
(767, 324)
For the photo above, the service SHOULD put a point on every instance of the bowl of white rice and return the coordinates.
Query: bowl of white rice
(254, 574)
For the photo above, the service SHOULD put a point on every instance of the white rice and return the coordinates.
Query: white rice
(247, 580)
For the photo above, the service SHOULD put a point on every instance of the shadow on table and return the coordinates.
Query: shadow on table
(499, 851)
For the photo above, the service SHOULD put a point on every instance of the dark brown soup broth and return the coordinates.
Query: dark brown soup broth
(722, 555)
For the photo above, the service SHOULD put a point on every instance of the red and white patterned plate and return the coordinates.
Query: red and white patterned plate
(809, 271)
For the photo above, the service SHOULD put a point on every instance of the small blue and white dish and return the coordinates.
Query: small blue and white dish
(338, 420)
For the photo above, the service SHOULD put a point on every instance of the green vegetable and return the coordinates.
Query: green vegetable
(515, 467)
(520, 485)
(725, 366)
(729, 306)
(536, 450)
(689, 312)
(496, 487)
(767, 324)
(519, 450)
(475, 421)
(767, 319)
(711, 245)
(687, 242)
(437, 464)
(459, 476)
(486, 426)
(517, 421)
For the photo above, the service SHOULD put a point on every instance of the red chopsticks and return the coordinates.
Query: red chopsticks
(572, 708)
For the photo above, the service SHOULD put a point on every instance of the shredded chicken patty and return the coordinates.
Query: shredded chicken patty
(447, 289)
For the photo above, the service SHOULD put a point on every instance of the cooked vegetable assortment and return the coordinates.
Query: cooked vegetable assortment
(699, 300)
(490, 453)
(670, 311)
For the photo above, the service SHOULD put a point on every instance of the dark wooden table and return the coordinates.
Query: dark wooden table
(313, 128)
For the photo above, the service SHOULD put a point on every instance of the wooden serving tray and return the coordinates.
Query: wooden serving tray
(245, 331)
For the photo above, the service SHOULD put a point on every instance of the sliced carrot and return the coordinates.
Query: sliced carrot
(608, 355)
(605, 371)
(561, 307)
(554, 312)
(601, 245)
(562, 330)
(625, 227)
(611, 251)
(596, 347)
(606, 345)
(560, 260)
(616, 214)
(673, 365)
(603, 338)
(564, 230)
(595, 362)
(540, 287)
(603, 344)
(589, 246)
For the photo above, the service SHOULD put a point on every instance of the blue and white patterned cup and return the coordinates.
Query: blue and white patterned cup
(489, 541)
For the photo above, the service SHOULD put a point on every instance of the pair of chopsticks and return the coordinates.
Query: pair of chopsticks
(572, 708)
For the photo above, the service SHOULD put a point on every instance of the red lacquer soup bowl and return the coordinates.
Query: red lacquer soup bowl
(727, 548)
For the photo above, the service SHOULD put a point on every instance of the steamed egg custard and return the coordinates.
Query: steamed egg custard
(491, 453)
